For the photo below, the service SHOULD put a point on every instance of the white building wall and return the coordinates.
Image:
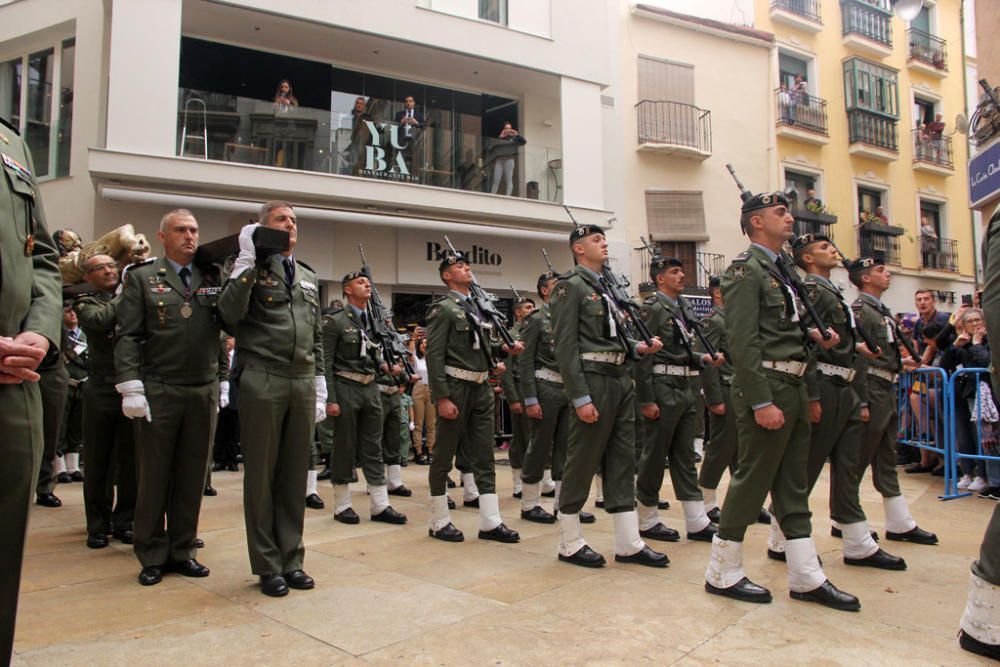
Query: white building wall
(583, 152)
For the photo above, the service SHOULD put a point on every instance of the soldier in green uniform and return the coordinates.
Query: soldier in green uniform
(29, 327)
(721, 448)
(461, 348)
(591, 355)
(389, 384)
(78, 366)
(669, 408)
(876, 387)
(769, 401)
(354, 373)
(835, 411)
(108, 436)
(54, 385)
(510, 382)
(272, 308)
(167, 349)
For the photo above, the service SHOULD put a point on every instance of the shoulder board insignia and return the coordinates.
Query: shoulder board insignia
(650, 300)
(738, 271)
(433, 310)
(743, 256)
(6, 123)
(304, 265)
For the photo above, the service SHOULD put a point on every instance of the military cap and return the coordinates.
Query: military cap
(524, 300)
(803, 241)
(353, 275)
(765, 200)
(715, 282)
(660, 264)
(450, 259)
(544, 279)
(862, 264)
(583, 231)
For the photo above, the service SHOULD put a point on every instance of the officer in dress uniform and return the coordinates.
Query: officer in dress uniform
(591, 356)
(461, 348)
(669, 406)
(876, 387)
(167, 350)
(54, 385)
(510, 382)
(272, 308)
(29, 327)
(354, 373)
(769, 400)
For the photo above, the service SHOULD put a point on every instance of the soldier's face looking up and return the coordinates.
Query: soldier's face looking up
(774, 224)
(593, 248)
(101, 272)
(180, 238)
(823, 255)
(879, 277)
(457, 274)
(283, 218)
(522, 311)
(671, 280)
(69, 318)
(547, 287)
(358, 290)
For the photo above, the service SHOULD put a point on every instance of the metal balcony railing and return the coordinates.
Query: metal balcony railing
(802, 110)
(882, 247)
(863, 19)
(939, 253)
(709, 264)
(869, 128)
(810, 222)
(929, 49)
(699, 267)
(934, 150)
(809, 9)
(674, 123)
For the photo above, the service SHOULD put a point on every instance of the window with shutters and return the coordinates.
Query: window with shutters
(666, 114)
(673, 215)
(665, 81)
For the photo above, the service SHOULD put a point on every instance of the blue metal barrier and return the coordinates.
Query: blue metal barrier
(923, 399)
(954, 417)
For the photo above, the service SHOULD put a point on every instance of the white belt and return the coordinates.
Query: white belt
(839, 371)
(682, 371)
(550, 375)
(616, 358)
(796, 368)
(888, 376)
(356, 377)
(386, 388)
(468, 376)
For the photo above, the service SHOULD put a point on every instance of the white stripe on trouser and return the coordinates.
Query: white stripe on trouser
(394, 474)
(648, 516)
(515, 474)
(858, 542)
(725, 564)
(548, 485)
(695, 518)
(440, 516)
(709, 496)
(555, 500)
(469, 489)
(341, 497)
(572, 534)
(699, 445)
(311, 483)
(627, 540)
(804, 571)
(378, 497)
(72, 462)
(59, 465)
(776, 539)
(531, 496)
(489, 511)
(599, 484)
(981, 619)
(897, 515)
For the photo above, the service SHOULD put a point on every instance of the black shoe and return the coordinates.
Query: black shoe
(662, 504)
(314, 502)
(599, 504)
(587, 517)
(697, 457)
(449, 533)
(764, 517)
(347, 516)
(916, 468)
(585, 557)
(151, 575)
(199, 543)
(879, 559)
(705, 534)
(48, 500)
(64, 478)
(298, 580)
(233, 467)
(188, 568)
(837, 532)
(662, 533)
(97, 540)
(829, 595)
(471, 503)
(918, 536)
(516, 494)
(401, 491)
(389, 515)
(973, 645)
(538, 515)
(421, 460)
(450, 483)
(125, 536)
(210, 491)
(273, 585)
(324, 474)
(776, 555)
(991, 493)
(644, 556)
(76, 476)
(451, 504)
(501, 534)
(715, 514)
(404, 464)
(938, 472)
(549, 494)
(218, 467)
(744, 590)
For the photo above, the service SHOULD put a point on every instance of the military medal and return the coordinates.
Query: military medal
(186, 310)
(161, 312)
(29, 245)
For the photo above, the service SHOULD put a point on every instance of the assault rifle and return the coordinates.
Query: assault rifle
(487, 303)
(389, 338)
(869, 343)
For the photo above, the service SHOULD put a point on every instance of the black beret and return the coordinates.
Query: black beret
(583, 231)
(544, 279)
(765, 200)
(451, 258)
(804, 240)
(864, 263)
(353, 275)
(660, 264)
(715, 282)
(523, 301)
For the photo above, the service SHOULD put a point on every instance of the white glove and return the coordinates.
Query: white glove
(134, 405)
(248, 254)
(320, 398)
(224, 394)
(412, 426)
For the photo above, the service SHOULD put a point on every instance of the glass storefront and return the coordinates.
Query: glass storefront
(241, 105)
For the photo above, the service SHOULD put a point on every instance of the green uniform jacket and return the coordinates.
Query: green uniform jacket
(78, 364)
(153, 338)
(30, 287)
(275, 324)
(510, 381)
(714, 327)
(97, 314)
(580, 322)
(452, 341)
(539, 350)
(833, 311)
(663, 319)
(342, 341)
(991, 289)
(871, 314)
(759, 314)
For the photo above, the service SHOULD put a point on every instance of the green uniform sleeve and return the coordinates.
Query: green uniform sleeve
(234, 302)
(526, 362)
(223, 359)
(566, 331)
(860, 383)
(656, 319)
(96, 314)
(44, 315)
(711, 376)
(741, 292)
(319, 353)
(438, 331)
(129, 331)
(508, 381)
(331, 338)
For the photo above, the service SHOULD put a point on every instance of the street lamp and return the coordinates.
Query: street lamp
(907, 9)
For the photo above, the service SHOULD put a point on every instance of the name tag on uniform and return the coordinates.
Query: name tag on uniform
(208, 291)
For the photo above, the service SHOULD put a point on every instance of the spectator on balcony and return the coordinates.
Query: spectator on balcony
(921, 142)
(813, 203)
(880, 216)
(800, 91)
(284, 98)
(929, 246)
(785, 107)
(935, 131)
(503, 152)
(410, 119)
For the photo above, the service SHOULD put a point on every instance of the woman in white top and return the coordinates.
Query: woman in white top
(424, 410)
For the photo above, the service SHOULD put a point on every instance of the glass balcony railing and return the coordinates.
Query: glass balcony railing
(243, 130)
(936, 150)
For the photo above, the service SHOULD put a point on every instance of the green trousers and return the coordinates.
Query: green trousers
(722, 448)
(109, 448)
(21, 450)
(325, 431)
(277, 417)
(54, 385)
(391, 439)
(770, 462)
(988, 565)
(471, 434)
(357, 432)
(71, 437)
(548, 435)
(838, 437)
(878, 447)
(699, 407)
(669, 437)
(172, 453)
(608, 445)
(519, 440)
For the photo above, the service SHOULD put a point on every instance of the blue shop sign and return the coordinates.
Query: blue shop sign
(984, 175)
